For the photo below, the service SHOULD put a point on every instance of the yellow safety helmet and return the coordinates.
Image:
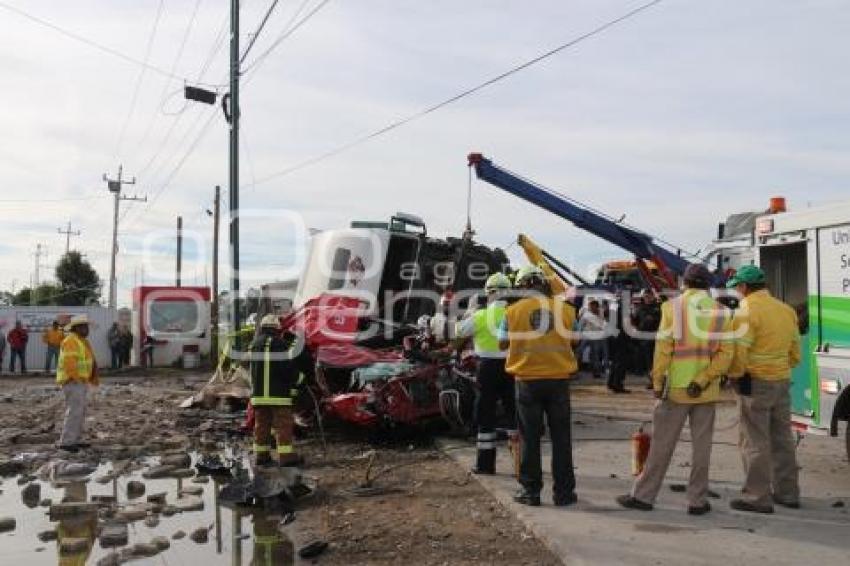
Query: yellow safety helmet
(528, 272)
(497, 281)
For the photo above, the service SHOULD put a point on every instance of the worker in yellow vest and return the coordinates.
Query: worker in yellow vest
(538, 335)
(494, 384)
(75, 373)
(767, 347)
(693, 350)
(52, 338)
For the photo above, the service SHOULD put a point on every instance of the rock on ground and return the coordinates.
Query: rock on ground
(200, 535)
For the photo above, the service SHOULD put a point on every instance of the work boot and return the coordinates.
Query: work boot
(790, 504)
(290, 461)
(700, 509)
(750, 507)
(564, 499)
(485, 463)
(263, 459)
(527, 497)
(630, 502)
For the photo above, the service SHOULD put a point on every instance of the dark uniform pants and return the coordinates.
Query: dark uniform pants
(552, 398)
(266, 420)
(494, 385)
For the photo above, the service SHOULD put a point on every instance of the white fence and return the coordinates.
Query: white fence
(37, 319)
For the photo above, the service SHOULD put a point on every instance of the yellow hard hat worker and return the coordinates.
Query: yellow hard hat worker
(496, 282)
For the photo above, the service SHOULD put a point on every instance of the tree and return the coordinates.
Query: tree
(78, 281)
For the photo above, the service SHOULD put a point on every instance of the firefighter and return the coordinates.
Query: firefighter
(271, 546)
(494, 383)
(767, 346)
(275, 377)
(537, 334)
(76, 370)
(693, 351)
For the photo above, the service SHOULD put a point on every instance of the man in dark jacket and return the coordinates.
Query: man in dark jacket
(18, 338)
(275, 377)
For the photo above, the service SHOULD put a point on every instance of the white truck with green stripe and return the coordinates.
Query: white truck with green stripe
(805, 255)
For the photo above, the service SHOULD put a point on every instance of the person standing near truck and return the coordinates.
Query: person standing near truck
(275, 377)
(694, 349)
(537, 334)
(494, 383)
(767, 347)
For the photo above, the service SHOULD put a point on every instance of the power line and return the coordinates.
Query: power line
(256, 34)
(139, 80)
(286, 33)
(99, 46)
(463, 94)
(39, 200)
(164, 94)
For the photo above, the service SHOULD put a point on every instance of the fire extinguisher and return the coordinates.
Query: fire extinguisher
(640, 450)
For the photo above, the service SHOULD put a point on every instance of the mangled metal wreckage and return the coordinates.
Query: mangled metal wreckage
(362, 307)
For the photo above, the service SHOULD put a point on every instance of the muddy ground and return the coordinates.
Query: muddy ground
(417, 507)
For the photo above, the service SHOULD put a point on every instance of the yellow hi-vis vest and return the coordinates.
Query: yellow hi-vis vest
(75, 347)
(698, 322)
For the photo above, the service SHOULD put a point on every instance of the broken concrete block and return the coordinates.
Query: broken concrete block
(158, 498)
(47, 536)
(200, 535)
(113, 534)
(179, 535)
(144, 550)
(7, 524)
(176, 460)
(111, 559)
(103, 500)
(135, 489)
(182, 473)
(31, 495)
(11, 467)
(161, 543)
(191, 490)
(73, 545)
(201, 479)
(158, 472)
(188, 504)
(133, 513)
(169, 510)
(71, 509)
(152, 521)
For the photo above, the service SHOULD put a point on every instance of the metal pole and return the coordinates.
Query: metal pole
(214, 306)
(234, 168)
(179, 248)
(117, 194)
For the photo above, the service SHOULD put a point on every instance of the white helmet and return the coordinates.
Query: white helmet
(423, 322)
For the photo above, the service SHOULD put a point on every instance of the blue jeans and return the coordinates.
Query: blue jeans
(116, 358)
(52, 357)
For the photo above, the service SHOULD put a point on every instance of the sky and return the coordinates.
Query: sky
(677, 117)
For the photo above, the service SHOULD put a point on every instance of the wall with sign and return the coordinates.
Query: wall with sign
(835, 261)
(38, 319)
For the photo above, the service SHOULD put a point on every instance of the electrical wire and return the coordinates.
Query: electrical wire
(40, 200)
(256, 34)
(94, 44)
(164, 95)
(289, 30)
(463, 94)
(139, 80)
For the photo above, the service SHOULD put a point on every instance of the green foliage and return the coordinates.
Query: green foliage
(78, 281)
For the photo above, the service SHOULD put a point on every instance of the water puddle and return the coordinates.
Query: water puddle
(235, 535)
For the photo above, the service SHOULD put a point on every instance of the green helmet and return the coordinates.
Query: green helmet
(528, 272)
(497, 281)
(749, 274)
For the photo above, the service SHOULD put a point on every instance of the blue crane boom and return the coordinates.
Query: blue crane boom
(642, 245)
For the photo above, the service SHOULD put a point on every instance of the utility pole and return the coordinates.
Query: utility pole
(179, 248)
(234, 168)
(114, 186)
(68, 233)
(214, 305)
(36, 279)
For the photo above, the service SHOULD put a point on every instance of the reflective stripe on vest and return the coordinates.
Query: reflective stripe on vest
(697, 340)
(267, 400)
(486, 325)
(84, 362)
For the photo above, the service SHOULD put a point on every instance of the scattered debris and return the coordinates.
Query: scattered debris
(47, 536)
(188, 504)
(200, 535)
(152, 521)
(135, 489)
(111, 559)
(71, 509)
(73, 545)
(114, 534)
(313, 549)
(161, 543)
(179, 535)
(157, 498)
(31, 495)
(191, 490)
(838, 504)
